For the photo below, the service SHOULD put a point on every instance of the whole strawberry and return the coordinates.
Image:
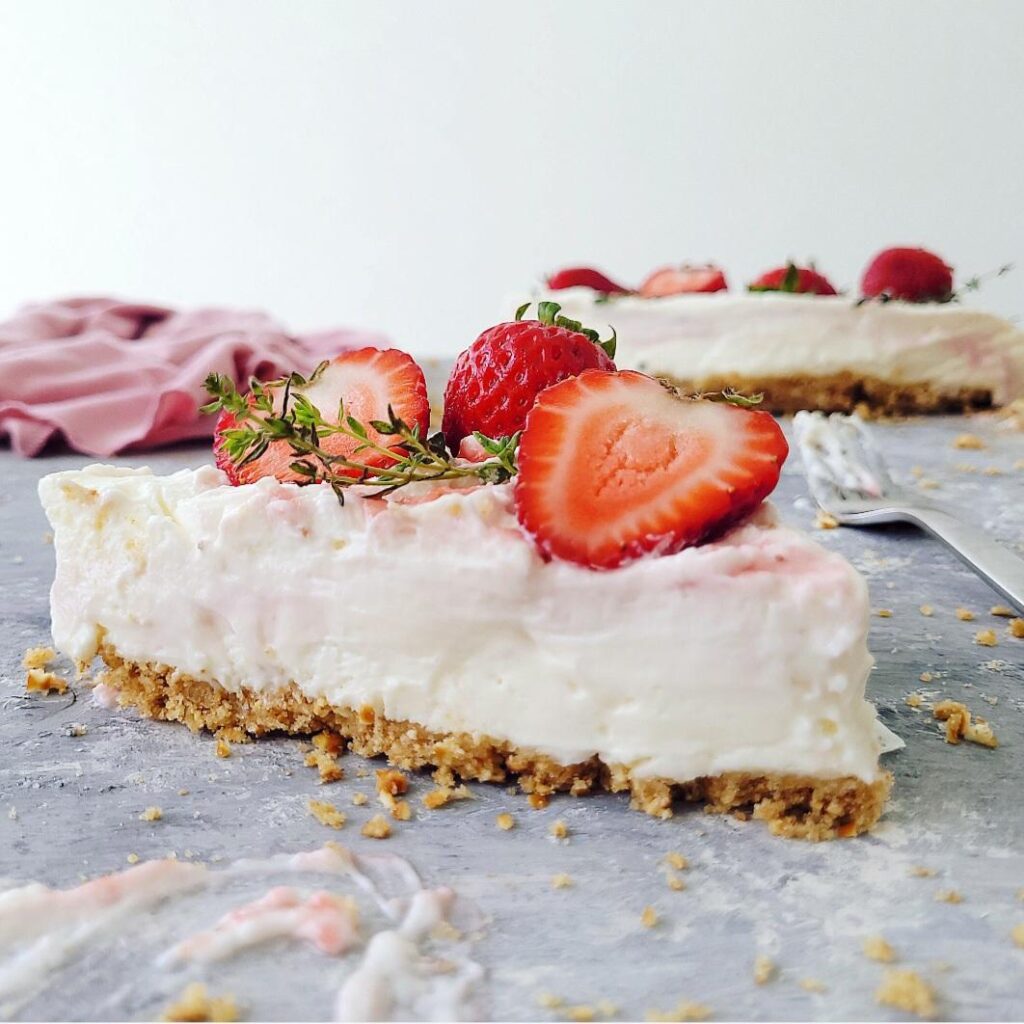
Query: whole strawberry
(794, 279)
(497, 379)
(913, 275)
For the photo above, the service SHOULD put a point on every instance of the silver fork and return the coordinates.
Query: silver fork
(849, 480)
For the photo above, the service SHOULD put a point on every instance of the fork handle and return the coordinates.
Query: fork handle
(996, 564)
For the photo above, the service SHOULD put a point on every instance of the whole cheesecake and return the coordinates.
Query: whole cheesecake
(904, 344)
(828, 352)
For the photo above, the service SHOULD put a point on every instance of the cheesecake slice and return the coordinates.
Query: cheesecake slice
(427, 626)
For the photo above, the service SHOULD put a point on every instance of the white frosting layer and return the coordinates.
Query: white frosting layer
(744, 654)
(696, 337)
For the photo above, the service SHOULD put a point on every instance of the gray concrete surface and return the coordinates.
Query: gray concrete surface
(957, 810)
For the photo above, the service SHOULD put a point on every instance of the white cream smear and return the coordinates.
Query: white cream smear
(746, 654)
(43, 930)
(694, 337)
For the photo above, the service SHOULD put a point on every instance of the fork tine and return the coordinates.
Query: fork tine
(840, 458)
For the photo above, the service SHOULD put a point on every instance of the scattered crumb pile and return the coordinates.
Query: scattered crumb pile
(959, 725)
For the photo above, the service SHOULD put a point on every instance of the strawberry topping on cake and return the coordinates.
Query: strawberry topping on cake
(913, 275)
(368, 385)
(615, 465)
(683, 280)
(495, 381)
(585, 277)
(794, 279)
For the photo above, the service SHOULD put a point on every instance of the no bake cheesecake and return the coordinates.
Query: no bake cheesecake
(599, 599)
(900, 345)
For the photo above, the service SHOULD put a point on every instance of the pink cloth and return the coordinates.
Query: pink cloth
(111, 375)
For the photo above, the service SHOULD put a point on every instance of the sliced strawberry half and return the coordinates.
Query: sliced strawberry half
(682, 281)
(368, 380)
(584, 277)
(613, 465)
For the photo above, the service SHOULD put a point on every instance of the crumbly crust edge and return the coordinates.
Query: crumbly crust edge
(794, 806)
(842, 392)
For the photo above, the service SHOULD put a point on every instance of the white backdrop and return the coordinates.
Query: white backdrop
(404, 166)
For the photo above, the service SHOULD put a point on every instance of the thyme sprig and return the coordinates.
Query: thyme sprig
(408, 458)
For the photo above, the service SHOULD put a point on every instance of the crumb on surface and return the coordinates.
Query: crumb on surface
(359, 799)
(948, 896)
(813, 985)
(195, 1004)
(926, 677)
(883, 613)
(1017, 934)
(980, 731)
(151, 814)
(377, 827)
(559, 829)
(328, 742)
(649, 917)
(764, 969)
(38, 680)
(38, 657)
(1015, 627)
(392, 781)
(1001, 611)
(825, 520)
(223, 748)
(550, 1001)
(505, 821)
(132, 858)
(970, 441)
(76, 729)
(562, 881)
(582, 1012)
(676, 860)
(538, 800)
(876, 948)
(920, 871)
(683, 1011)
(327, 814)
(906, 990)
(986, 638)
(959, 724)
(927, 484)
(674, 882)
(446, 794)
(325, 763)
(927, 610)
(401, 811)
(965, 614)
(914, 700)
